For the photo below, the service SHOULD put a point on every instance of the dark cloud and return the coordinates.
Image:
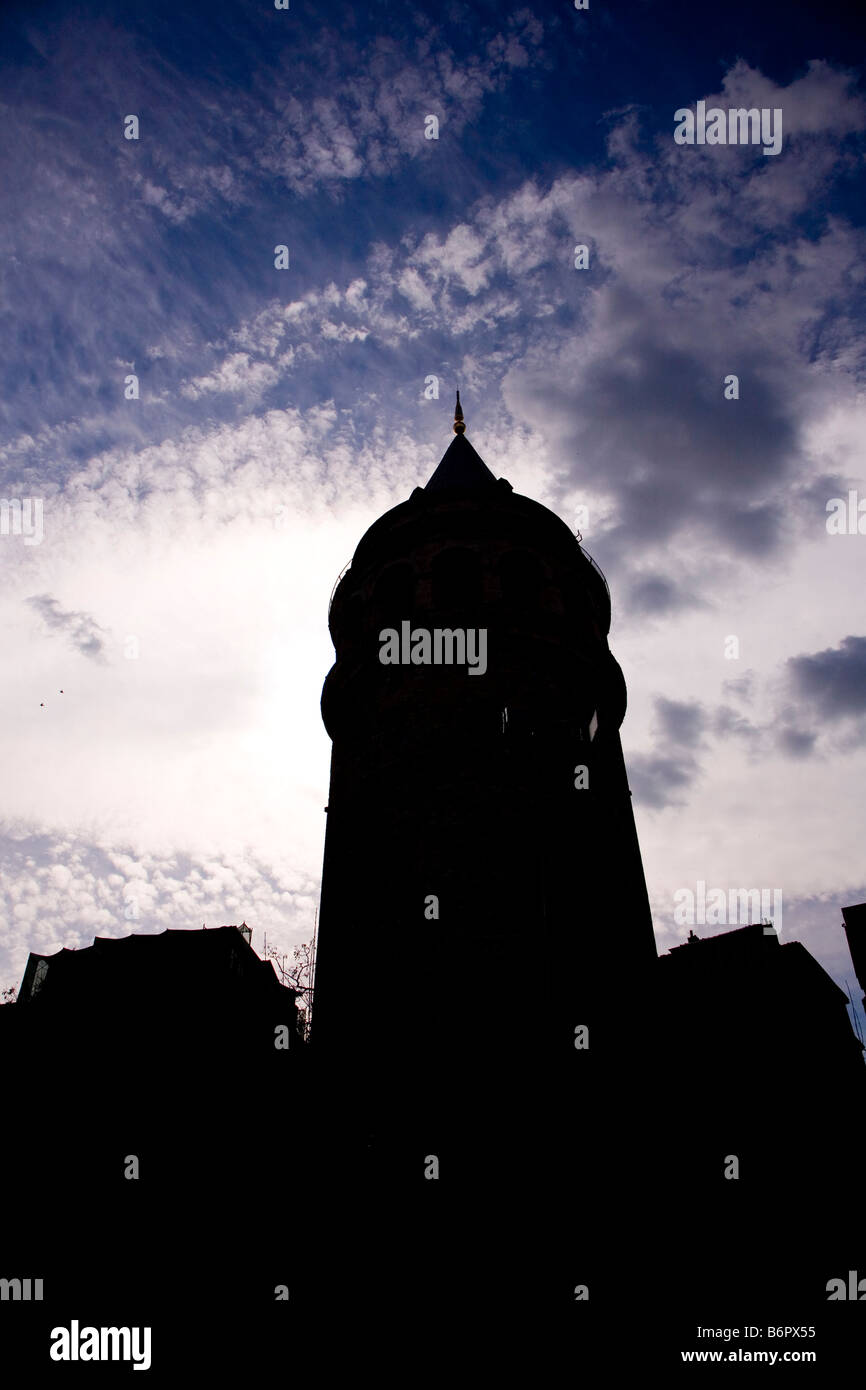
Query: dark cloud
(833, 681)
(80, 629)
(655, 594)
(798, 743)
(681, 721)
(827, 686)
(656, 778)
(655, 424)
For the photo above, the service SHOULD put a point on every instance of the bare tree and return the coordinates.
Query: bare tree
(297, 973)
(9, 996)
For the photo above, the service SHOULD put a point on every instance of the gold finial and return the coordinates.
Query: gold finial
(459, 426)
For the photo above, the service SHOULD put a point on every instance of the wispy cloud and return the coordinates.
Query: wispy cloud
(80, 629)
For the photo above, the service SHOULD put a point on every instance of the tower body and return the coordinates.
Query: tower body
(483, 895)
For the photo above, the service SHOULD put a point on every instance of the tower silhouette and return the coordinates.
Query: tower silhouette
(484, 912)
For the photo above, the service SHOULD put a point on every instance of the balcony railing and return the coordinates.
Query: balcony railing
(598, 569)
(343, 571)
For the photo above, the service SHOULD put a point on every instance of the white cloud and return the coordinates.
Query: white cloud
(236, 375)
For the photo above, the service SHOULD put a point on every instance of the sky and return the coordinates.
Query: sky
(208, 436)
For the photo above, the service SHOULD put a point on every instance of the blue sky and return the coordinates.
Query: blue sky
(192, 536)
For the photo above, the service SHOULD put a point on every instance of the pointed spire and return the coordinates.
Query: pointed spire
(460, 469)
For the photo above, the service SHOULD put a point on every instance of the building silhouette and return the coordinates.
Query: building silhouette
(166, 1022)
(775, 1052)
(148, 1083)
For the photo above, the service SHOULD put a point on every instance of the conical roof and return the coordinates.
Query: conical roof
(460, 468)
